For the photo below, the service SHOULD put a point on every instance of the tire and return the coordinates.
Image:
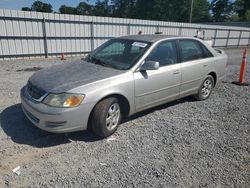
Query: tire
(205, 89)
(106, 117)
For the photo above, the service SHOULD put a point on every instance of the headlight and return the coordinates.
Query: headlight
(63, 100)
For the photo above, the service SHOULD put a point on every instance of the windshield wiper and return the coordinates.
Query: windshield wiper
(98, 61)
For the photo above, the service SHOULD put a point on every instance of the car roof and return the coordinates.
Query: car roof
(149, 38)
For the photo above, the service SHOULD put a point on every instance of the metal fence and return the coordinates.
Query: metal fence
(34, 34)
(236, 24)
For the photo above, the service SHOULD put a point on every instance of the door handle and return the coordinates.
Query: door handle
(205, 65)
(176, 72)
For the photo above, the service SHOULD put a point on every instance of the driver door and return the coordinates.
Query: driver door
(154, 87)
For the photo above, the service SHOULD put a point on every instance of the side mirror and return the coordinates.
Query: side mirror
(149, 65)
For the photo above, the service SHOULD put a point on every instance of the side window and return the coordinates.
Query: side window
(190, 50)
(165, 53)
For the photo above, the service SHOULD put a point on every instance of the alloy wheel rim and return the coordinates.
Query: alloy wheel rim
(113, 116)
(206, 88)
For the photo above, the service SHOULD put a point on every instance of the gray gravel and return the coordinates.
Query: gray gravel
(185, 143)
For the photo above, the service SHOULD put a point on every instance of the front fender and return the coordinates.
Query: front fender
(119, 85)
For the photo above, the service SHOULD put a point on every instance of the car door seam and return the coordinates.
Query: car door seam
(158, 90)
(182, 83)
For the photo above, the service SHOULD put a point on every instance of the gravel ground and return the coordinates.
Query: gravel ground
(185, 143)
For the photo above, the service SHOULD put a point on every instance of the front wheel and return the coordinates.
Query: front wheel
(205, 89)
(106, 117)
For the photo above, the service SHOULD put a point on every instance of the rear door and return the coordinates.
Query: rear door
(154, 87)
(195, 65)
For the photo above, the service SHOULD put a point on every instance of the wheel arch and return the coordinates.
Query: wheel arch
(124, 102)
(213, 74)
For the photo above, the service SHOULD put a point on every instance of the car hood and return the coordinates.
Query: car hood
(61, 78)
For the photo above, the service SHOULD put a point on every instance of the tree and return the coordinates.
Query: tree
(201, 11)
(26, 9)
(181, 10)
(84, 9)
(142, 9)
(221, 10)
(242, 7)
(67, 10)
(165, 10)
(102, 8)
(123, 8)
(247, 15)
(39, 6)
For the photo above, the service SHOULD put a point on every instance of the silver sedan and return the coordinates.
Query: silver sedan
(123, 76)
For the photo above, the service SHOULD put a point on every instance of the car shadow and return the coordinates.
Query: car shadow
(16, 126)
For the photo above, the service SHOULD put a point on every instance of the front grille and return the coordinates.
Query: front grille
(34, 91)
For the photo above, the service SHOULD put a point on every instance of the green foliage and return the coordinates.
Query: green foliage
(201, 11)
(102, 8)
(221, 10)
(247, 15)
(142, 9)
(84, 9)
(242, 7)
(39, 6)
(67, 10)
(165, 10)
(26, 9)
(123, 8)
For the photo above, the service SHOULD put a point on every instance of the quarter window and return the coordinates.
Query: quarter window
(190, 50)
(206, 52)
(165, 53)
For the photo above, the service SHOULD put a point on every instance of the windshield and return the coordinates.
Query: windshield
(120, 54)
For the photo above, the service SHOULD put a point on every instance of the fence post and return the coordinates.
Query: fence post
(92, 36)
(239, 39)
(180, 30)
(128, 29)
(215, 35)
(45, 38)
(228, 34)
(248, 40)
(157, 28)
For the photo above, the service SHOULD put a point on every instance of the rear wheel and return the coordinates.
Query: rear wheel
(106, 117)
(205, 89)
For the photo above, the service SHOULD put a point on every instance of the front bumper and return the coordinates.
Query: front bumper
(57, 120)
